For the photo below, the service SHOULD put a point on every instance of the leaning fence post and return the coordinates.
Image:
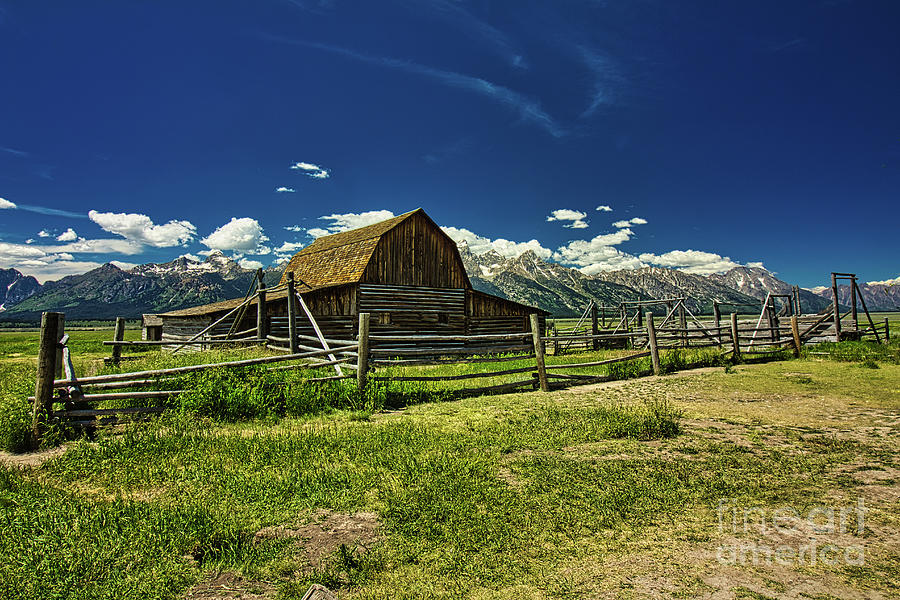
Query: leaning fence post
(51, 323)
(735, 338)
(594, 330)
(651, 337)
(60, 331)
(292, 314)
(261, 313)
(118, 336)
(539, 353)
(795, 330)
(887, 331)
(717, 316)
(362, 360)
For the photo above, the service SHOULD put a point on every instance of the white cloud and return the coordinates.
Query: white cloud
(29, 241)
(630, 222)
(282, 190)
(44, 233)
(125, 266)
(566, 214)
(479, 244)
(140, 228)
(288, 249)
(604, 208)
(347, 221)
(598, 253)
(44, 263)
(192, 257)
(101, 246)
(691, 261)
(4, 203)
(757, 265)
(68, 235)
(250, 264)
(894, 281)
(318, 232)
(611, 259)
(244, 235)
(311, 170)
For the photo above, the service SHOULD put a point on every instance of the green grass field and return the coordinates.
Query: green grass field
(628, 489)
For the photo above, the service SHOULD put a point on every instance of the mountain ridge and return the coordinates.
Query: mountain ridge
(110, 291)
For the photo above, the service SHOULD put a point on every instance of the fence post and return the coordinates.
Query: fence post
(651, 336)
(539, 352)
(735, 338)
(836, 307)
(595, 343)
(51, 323)
(362, 360)
(292, 313)
(60, 331)
(887, 331)
(682, 323)
(118, 336)
(795, 330)
(261, 313)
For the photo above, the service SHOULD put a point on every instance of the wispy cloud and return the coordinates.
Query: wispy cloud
(785, 45)
(4, 203)
(605, 79)
(604, 208)
(285, 190)
(310, 170)
(15, 152)
(55, 212)
(528, 109)
(480, 29)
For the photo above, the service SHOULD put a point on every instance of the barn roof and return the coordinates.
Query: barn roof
(342, 257)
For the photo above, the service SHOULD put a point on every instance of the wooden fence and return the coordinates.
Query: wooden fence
(57, 383)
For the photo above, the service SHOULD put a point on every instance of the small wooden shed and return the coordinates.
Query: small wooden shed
(405, 271)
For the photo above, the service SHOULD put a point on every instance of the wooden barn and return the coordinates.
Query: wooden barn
(405, 271)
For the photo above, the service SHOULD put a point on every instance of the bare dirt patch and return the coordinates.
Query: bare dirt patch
(327, 532)
(232, 587)
(30, 460)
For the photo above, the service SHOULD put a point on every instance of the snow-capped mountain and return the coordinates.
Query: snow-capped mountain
(564, 291)
(758, 282)
(15, 287)
(109, 291)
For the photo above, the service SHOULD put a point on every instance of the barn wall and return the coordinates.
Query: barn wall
(416, 252)
(402, 310)
(490, 314)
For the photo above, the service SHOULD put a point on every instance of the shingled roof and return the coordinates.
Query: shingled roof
(340, 258)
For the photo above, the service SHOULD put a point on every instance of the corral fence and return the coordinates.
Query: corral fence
(61, 395)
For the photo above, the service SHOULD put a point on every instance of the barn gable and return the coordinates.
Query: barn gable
(409, 249)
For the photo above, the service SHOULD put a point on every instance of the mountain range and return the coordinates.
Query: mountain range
(109, 291)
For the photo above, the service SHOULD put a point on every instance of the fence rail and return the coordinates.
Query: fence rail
(394, 353)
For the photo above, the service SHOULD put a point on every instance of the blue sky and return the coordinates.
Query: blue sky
(715, 133)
